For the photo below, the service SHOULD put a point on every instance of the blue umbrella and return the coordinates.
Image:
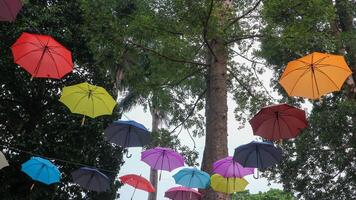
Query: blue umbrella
(127, 133)
(259, 155)
(192, 178)
(91, 179)
(41, 170)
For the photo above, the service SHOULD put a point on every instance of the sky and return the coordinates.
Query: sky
(133, 165)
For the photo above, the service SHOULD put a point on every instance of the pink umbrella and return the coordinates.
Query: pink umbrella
(9, 9)
(228, 168)
(182, 193)
(161, 158)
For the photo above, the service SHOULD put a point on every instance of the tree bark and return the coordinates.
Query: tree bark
(216, 113)
(345, 18)
(153, 173)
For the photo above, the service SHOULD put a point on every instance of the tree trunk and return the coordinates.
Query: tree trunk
(345, 17)
(216, 112)
(153, 173)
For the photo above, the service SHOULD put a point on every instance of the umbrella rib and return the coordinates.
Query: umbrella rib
(23, 43)
(301, 68)
(92, 100)
(103, 103)
(10, 11)
(265, 149)
(158, 160)
(58, 54)
(316, 83)
(76, 105)
(54, 61)
(296, 82)
(26, 54)
(248, 156)
(327, 77)
(287, 125)
(274, 125)
(329, 65)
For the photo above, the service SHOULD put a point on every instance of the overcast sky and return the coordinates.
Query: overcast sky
(133, 165)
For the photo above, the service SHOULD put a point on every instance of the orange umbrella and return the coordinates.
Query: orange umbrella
(314, 75)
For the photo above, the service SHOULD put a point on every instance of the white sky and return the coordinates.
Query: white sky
(133, 165)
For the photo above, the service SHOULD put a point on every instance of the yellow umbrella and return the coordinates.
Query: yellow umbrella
(315, 75)
(88, 100)
(227, 185)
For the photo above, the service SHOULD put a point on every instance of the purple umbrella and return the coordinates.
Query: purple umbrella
(161, 158)
(9, 9)
(182, 193)
(228, 168)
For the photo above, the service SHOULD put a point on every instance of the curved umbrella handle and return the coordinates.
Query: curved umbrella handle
(127, 154)
(257, 176)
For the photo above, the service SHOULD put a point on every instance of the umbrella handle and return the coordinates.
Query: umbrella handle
(83, 120)
(257, 176)
(127, 154)
(33, 185)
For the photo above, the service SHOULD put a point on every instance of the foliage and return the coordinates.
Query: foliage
(273, 194)
(34, 121)
(319, 164)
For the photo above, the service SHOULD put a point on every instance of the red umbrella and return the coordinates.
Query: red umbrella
(9, 9)
(138, 182)
(42, 56)
(279, 121)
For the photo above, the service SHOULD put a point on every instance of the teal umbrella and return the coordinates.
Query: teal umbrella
(192, 178)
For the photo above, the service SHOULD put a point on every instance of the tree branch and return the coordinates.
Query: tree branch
(241, 84)
(244, 37)
(244, 14)
(191, 112)
(168, 57)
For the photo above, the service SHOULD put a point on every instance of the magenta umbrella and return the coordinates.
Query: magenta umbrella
(228, 168)
(161, 158)
(182, 193)
(9, 9)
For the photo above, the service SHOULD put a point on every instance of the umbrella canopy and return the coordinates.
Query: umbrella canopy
(9, 9)
(91, 179)
(3, 161)
(41, 170)
(127, 134)
(138, 182)
(160, 158)
(315, 75)
(192, 178)
(182, 193)
(42, 56)
(227, 185)
(260, 155)
(88, 100)
(280, 121)
(227, 168)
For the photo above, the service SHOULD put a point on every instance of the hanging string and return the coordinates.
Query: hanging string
(128, 118)
(56, 159)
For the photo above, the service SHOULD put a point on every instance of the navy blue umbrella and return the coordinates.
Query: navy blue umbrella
(91, 179)
(259, 155)
(127, 133)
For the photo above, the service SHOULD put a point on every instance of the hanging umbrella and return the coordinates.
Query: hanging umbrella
(42, 56)
(3, 161)
(260, 155)
(160, 158)
(279, 121)
(41, 170)
(127, 134)
(91, 179)
(192, 178)
(227, 185)
(228, 168)
(9, 9)
(138, 182)
(315, 75)
(182, 193)
(88, 100)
